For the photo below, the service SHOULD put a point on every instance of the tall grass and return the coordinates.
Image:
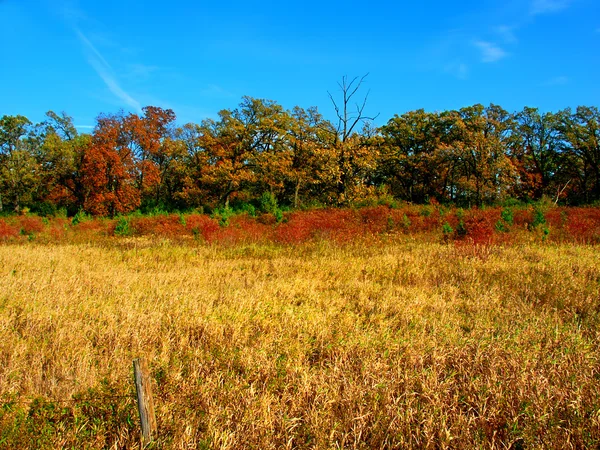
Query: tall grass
(395, 344)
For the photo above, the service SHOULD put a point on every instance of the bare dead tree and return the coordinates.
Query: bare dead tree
(349, 114)
(348, 118)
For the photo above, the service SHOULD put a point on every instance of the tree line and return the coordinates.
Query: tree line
(474, 156)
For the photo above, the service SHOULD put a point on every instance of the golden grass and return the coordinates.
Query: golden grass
(387, 345)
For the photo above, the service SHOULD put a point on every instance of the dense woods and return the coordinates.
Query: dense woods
(478, 155)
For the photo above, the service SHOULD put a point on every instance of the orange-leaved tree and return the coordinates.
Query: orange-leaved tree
(109, 170)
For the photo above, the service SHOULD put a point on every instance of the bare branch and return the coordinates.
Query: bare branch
(347, 120)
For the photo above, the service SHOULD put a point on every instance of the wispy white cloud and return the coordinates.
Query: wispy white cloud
(105, 72)
(556, 81)
(490, 52)
(548, 6)
(84, 127)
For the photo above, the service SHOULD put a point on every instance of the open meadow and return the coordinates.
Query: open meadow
(385, 343)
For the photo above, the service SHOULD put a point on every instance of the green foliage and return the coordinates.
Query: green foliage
(512, 202)
(278, 213)
(247, 208)
(447, 229)
(153, 210)
(507, 215)
(99, 414)
(44, 209)
(545, 233)
(268, 203)
(506, 220)
(406, 223)
(426, 211)
(501, 226)
(538, 217)
(222, 215)
(81, 216)
(122, 228)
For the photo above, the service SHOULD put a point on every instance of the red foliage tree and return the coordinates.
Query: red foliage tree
(109, 170)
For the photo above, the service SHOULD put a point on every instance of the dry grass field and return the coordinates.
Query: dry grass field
(380, 344)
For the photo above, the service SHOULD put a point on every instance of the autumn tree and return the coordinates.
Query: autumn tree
(244, 150)
(109, 170)
(481, 171)
(410, 163)
(61, 156)
(151, 138)
(355, 156)
(192, 190)
(267, 126)
(312, 161)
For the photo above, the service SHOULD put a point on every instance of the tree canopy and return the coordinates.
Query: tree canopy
(473, 156)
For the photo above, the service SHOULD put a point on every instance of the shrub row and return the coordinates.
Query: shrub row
(473, 226)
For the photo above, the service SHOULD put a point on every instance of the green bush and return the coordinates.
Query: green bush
(247, 208)
(506, 220)
(268, 203)
(278, 213)
(426, 211)
(122, 228)
(538, 218)
(447, 229)
(507, 216)
(222, 215)
(81, 216)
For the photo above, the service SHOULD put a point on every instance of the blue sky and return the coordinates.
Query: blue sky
(199, 57)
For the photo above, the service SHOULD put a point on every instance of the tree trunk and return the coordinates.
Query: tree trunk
(296, 190)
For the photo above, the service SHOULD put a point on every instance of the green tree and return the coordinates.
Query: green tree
(535, 151)
(19, 170)
(581, 134)
(61, 157)
(481, 170)
(410, 161)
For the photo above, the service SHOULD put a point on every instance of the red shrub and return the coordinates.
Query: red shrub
(583, 225)
(340, 225)
(31, 224)
(167, 226)
(8, 231)
(480, 225)
(522, 218)
(376, 219)
(92, 228)
(425, 219)
(556, 218)
(244, 229)
(201, 225)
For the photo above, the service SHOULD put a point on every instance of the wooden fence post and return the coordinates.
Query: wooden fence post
(144, 398)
